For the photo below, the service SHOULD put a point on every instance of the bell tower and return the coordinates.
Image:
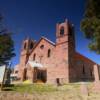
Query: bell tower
(65, 47)
(65, 33)
(27, 47)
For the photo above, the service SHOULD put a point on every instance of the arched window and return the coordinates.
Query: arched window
(34, 56)
(62, 31)
(91, 71)
(83, 69)
(25, 46)
(31, 45)
(16, 71)
(49, 52)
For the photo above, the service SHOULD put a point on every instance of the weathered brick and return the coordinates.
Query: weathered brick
(64, 64)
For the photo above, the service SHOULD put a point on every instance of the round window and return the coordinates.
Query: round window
(42, 46)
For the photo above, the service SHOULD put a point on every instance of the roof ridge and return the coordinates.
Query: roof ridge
(48, 40)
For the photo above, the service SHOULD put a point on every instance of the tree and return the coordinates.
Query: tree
(90, 24)
(6, 45)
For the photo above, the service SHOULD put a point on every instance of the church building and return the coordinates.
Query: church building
(54, 63)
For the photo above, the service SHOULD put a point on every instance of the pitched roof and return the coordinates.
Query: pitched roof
(80, 56)
(49, 41)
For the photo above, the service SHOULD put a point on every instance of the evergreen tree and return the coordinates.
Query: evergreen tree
(6, 45)
(90, 24)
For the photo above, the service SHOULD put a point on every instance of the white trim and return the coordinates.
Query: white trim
(35, 64)
(48, 40)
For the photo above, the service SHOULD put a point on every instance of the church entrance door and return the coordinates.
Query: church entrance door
(40, 75)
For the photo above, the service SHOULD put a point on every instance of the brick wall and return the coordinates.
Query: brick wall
(63, 62)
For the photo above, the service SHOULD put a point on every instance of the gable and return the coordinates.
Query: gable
(41, 49)
(44, 41)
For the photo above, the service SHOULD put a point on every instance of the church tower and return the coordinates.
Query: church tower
(65, 44)
(65, 33)
(27, 47)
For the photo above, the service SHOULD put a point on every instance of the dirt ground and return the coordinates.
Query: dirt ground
(46, 96)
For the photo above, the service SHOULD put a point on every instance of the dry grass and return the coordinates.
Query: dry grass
(48, 92)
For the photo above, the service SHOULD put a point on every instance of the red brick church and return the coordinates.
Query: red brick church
(57, 62)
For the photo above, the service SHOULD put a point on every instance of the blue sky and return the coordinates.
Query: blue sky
(36, 18)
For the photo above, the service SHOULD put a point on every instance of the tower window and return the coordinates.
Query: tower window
(62, 31)
(42, 46)
(49, 52)
(25, 46)
(31, 45)
(34, 56)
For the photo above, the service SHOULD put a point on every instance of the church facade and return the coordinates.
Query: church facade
(54, 63)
